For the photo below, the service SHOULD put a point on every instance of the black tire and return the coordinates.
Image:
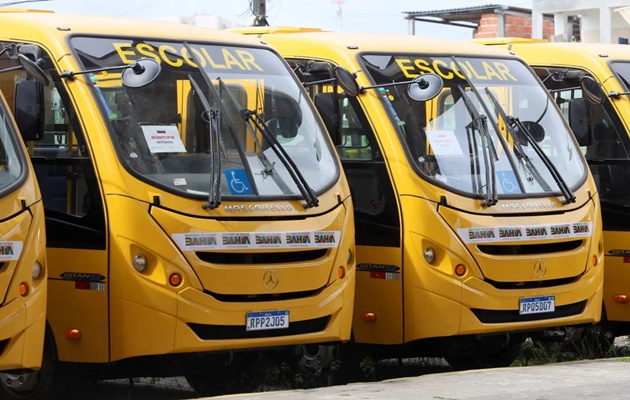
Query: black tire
(217, 378)
(499, 359)
(32, 385)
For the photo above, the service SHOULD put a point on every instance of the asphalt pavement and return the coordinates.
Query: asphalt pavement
(599, 379)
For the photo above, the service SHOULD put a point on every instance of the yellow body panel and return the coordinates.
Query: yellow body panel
(121, 312)
(415, 300)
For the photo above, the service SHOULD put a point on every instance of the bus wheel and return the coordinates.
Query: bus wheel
(314, 358)
(30, 384)
(502, 358)
(217, 376)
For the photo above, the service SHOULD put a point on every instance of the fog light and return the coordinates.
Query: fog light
(460, 270)
(175, 279)
(37, 270)
(341, 272)
(23, 289)
(429, 255)
(368, 317)
(621, 298)
(139, 262)
(73, 334)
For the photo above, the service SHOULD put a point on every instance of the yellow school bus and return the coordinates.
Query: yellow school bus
(22, 252)
(477, 220)
(194, 203)
(590, 82)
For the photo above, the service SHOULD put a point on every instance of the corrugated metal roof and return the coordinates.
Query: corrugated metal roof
(461, 10)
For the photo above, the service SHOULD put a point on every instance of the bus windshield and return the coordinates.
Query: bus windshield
(12, 160)
(491, 131)
(244, 119)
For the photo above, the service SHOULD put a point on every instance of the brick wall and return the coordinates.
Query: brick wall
(515, 26)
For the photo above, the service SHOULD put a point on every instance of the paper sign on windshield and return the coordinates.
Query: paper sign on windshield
(444, 143)
(163, 139)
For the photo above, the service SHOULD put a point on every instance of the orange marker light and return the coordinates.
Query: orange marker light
(23, 289)
(175, 279)
(341, 272)
(621, 298)
(460, 270)
(368, 317)
(73, 334)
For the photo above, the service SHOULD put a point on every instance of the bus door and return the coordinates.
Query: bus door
(75, 222)
(378, 231)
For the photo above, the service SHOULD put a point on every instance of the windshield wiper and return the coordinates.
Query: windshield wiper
(214, 195)
(515, 126)
(480, 123)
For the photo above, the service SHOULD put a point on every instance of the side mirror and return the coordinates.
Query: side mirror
(33, 69)
(535, 130)
(137, 74)
(425, 87)
(29, 109)
(592, 90)
(578, 120)
(347, 81)
(325, 104)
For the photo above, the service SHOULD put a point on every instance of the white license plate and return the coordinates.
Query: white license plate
(537, 305)
(260, 321)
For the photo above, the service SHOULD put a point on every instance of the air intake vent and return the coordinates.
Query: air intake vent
(525, 249)
(284, 257)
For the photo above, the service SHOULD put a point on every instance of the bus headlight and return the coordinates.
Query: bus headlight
(37, 270)
(429, 255)
(139, 262)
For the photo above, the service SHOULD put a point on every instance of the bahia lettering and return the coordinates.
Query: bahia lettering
(197, 240)
(268, 239)
(481, 234)
(259, 208)
(510, 233)
(6, 250)
(560, 230)
(298, 238)
(325, 237)
(236, 240)
(581, 228)
(536, 232)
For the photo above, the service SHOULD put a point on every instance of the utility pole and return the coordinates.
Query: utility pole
(259, 9)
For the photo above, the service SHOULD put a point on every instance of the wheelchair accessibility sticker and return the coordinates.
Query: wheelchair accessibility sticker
(238, 181)
(508, 182)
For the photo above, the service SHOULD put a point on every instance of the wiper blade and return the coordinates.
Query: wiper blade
(214, 195)
(514, 125)
(522, 157)
(307, 192)
(480, 123)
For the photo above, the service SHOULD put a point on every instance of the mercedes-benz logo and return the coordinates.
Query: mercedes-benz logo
(540, 269)
(270, 279)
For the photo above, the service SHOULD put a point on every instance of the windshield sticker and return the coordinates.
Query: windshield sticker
(508, 182)
(444, 143)
(179, 182)
(483, 70)
(163, 139)
(256, 240)
(10, 250)
(212, 57)
(525, 233)
(238, 181)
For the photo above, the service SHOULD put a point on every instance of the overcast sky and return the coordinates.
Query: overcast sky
(385, 16)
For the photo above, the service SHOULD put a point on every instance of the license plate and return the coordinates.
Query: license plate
(537, 305)
(260, 321)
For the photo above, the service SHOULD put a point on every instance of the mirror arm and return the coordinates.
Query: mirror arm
(135, 66)
(617, 94)
(363, 88)
(306, 84)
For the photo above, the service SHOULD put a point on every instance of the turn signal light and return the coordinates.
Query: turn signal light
(368, 317)
(621, 298)
(594, 261)
(23, 289)
(460, 270)
(341, 272)
(73, 334)
(175, 279)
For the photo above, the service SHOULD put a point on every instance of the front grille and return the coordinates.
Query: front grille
(219, 332)
(528, 249)
(532, 284)
(255, 298)
(285, 257)
(504, 316)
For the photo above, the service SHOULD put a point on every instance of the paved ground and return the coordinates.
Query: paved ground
(605, 379)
